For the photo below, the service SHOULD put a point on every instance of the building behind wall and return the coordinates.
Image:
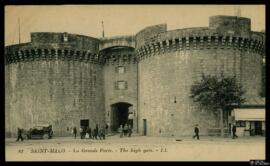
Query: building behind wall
(71, 80)
(250, 118)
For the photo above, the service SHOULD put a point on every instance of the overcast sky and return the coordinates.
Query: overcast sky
(118, 19)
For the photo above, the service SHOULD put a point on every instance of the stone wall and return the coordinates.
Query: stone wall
(53, 92)
(164, 89)
(251, 73)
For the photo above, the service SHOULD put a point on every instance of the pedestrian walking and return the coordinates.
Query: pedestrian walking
(120, 130)
(196, 131)
(71, 130)
(81, 132)
(234, 132)
(87, 134)
(125, 129)
(75, 132)
(84, 131)
(129, 130)
(107, 129)
(96, 132)
(19, 132)
(90, 132)
(102, 133)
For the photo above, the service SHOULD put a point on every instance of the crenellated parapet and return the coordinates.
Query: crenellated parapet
(200, 43)
(120, 59)
(70, 47)
(55, 46)
(118, 50)
(118, 56)
(224, 32)
(50, 54)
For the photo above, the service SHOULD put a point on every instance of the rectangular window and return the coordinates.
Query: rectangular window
(241, 124)
(120, 85)
(121, 69)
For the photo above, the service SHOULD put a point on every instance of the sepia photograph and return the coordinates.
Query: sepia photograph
(135, 83)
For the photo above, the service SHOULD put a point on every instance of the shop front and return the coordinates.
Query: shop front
(249, 121)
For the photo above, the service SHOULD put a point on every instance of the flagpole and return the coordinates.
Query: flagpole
(19, 31)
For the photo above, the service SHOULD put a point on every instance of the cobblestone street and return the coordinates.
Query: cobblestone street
(137, 148)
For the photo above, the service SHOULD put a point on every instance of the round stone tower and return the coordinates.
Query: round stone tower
(55, 79)
(171, 61)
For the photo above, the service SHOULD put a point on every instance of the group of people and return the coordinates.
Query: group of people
(87, 133)
(196, 132)
(126, 130)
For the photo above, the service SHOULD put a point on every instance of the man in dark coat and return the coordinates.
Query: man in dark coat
(234, 132)
(196, 131)
(89, 131)
(81, 132)
(96, 132)
(75, 132)
(19, 135)
(101, 133)
(129, 130)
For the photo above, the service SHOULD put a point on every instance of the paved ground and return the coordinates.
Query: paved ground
(138, 148)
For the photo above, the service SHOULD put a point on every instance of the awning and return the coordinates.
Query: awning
(249, 114)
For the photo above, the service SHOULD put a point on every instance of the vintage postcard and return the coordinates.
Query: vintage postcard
(135, 83)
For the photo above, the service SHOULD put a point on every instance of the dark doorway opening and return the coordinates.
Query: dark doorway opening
(84, 123)
(258, 128)
(144, 127)
(119, 115)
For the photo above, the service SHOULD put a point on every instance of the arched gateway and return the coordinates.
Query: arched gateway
(121, 113)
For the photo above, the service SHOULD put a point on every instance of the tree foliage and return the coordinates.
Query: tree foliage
(217, 92)
(263, 81)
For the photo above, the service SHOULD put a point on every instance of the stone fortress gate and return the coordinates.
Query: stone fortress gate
(72, 80)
